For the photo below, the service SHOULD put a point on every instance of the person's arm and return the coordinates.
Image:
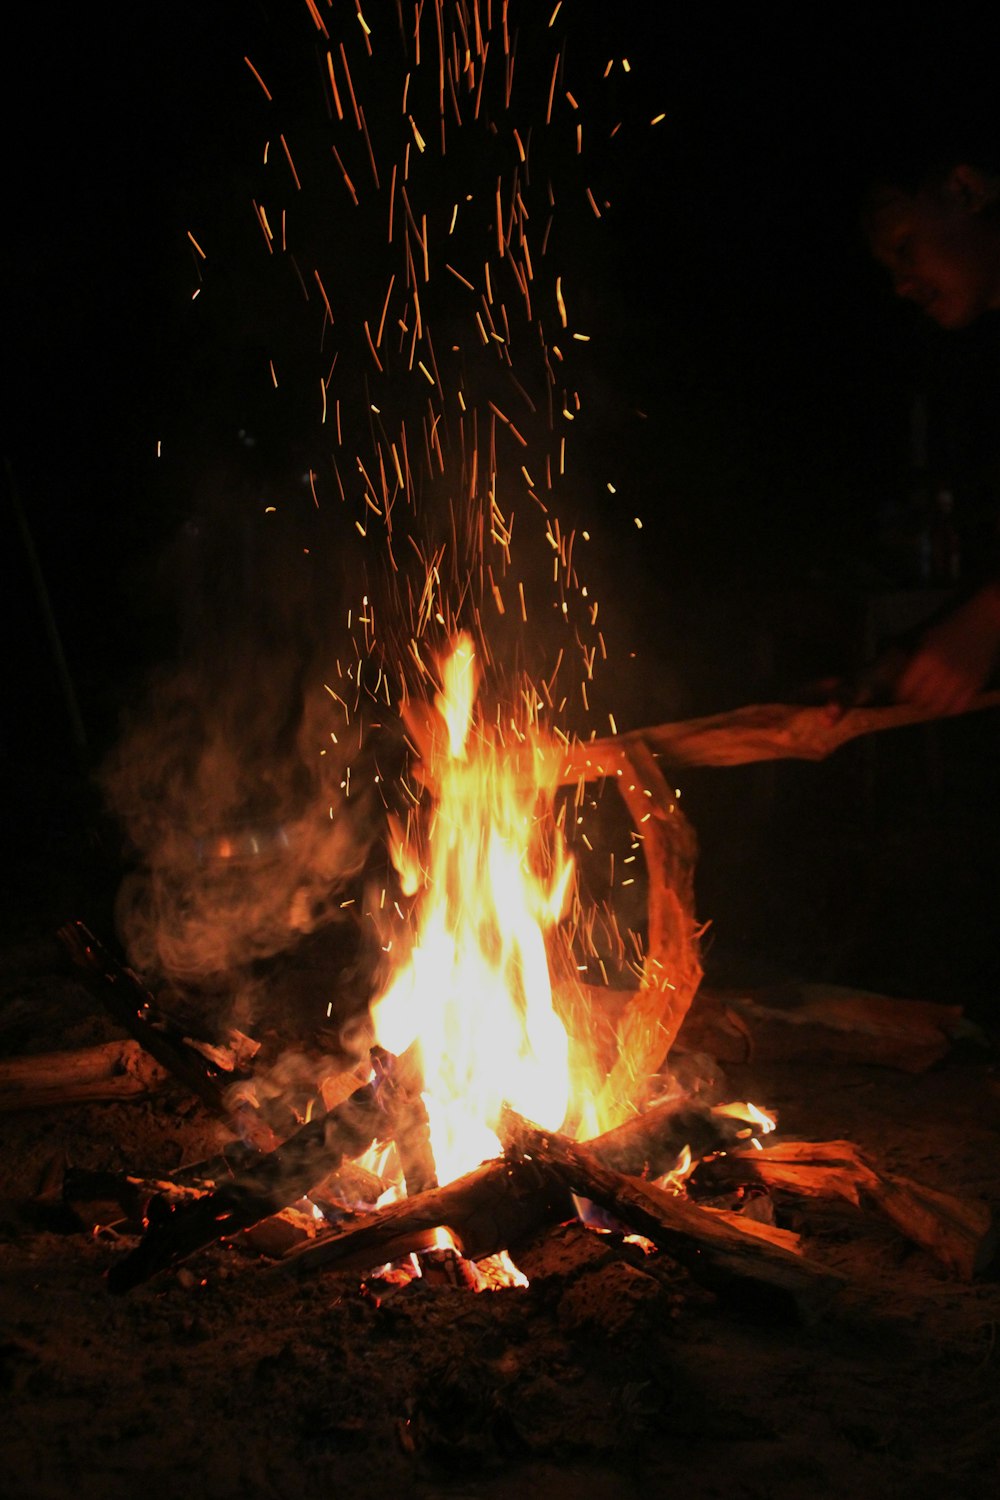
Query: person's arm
(939, 667)
(955, 656)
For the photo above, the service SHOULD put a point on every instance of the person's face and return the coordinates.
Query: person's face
(941, 249)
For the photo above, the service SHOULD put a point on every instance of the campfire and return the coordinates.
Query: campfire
(485, 1193)
(487, 1107)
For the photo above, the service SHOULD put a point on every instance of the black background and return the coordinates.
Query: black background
(775, 369)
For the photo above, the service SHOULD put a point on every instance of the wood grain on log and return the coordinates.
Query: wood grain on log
(111, 1071)
(747, 1266)
(486, 1211)
(959, 1233)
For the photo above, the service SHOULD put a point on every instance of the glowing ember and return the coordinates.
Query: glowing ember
(475, 994)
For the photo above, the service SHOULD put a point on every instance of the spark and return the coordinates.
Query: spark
(317, 18)
(291, 164)
(260, 80)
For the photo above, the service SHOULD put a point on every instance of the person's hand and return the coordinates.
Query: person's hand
(954, 657)
(875, 683)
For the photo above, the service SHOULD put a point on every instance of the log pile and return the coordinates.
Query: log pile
(960, 1234)
(529, 1191)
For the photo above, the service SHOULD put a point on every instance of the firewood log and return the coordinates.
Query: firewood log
(130, 1004)
(827, 1023)
(114, 1070)
(267, 1186)
(959, 1233)
(649, 1144)
(751, 1268)
(389, 1109)
(488, 1210)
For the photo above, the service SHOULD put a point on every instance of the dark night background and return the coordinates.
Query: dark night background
(777, 377)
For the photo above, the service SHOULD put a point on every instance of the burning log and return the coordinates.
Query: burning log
(132, 1006)
(960, 1234)
(379, 1111)
(753, 1266)
(398, 1084)
(504, 1202)
(649, 1144)
(492, 1208)
(486, 1211)
(112, 1071)
(269, 1185)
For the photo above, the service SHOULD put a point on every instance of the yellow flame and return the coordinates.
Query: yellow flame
(475, 992)
(744, 1110)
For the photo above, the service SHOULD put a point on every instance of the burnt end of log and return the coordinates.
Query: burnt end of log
(960, 1233)
(496, 1207)
(742, 1267)
(649, 1144)
(132, 1006)
(176, 1231)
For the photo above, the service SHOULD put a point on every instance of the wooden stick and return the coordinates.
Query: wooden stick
(114, 1070)
(760, 731)
(374, 1112)
(487, 1210)
(719, 1252)
(130, 1003)
(960, 1234)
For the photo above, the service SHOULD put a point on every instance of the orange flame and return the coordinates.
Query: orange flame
(475, 993)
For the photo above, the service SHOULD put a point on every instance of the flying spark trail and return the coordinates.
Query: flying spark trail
(426, 231)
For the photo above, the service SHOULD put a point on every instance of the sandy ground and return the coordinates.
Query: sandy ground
(227, 1378)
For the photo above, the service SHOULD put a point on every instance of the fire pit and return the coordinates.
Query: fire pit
(613, 1367)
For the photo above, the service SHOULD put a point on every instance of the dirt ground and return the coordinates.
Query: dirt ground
(620, 1376)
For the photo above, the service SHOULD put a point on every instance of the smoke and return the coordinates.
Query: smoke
(245, 781)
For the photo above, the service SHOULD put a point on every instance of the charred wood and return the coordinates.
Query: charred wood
(486, 1211)
(133, 1007)
(648, 1145)
(377, 1111)
(271, 1183)
(751, 1267)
